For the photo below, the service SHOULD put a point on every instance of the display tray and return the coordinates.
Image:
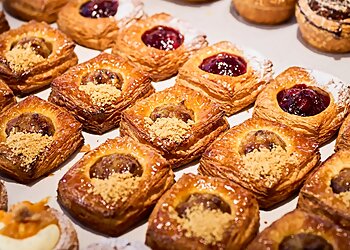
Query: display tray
(281, 44)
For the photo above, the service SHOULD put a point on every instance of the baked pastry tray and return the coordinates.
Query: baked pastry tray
(281, 44)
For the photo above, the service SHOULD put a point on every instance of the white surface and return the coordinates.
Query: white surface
(281, 44)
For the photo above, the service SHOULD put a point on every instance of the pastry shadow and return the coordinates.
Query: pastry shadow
(192, 4)
(294, 195)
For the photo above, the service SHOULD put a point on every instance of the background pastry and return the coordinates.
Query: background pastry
(6, 96)
(3, 196)
(4, 25)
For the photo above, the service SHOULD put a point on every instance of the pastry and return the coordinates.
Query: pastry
(117, 244)
(40, 10)
(265, 11)
(4, 25)
(311, 102)
(325, 24)
(32, 55)
(115, 185)
(201, 212)
(3, 196)
(327, 191)
(179, 122)
(34, 226)
(97, 91)
(7, 98)
(343, 139)
(267, 158)
(35, 138)
(231, 76)
(95, 23)
(159, 44)
(300, 230)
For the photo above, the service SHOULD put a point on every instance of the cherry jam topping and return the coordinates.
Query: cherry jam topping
(99, 8)
(224, 64)
(302, 100)
(163, 38)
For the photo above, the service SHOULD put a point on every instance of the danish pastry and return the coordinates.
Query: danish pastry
(179, 122)
(309, 101)
(7, 97)
(325, 24)
(96, 91)
(159, 44)
(343, 139)
(267, 158)
(4, 25)
(3, 196)
(35, 138)
(115, 185)
(201, 212)
(32, 55)
(95, 23)
(300, 230)
(228, 75)
(34, 226)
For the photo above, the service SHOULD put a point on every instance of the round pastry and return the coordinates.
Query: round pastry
(159, 44)
(3, 196)
(95, 23)
(4, 25)
(265, 11)
(201, 212)
(34, 226)
(117, 244)
(343, 139)
(325, 24)
(309, 101)
(7, 98)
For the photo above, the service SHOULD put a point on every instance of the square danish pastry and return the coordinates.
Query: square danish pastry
(201, 212)
(159, 44)
(115, 185)
(179, 122)
(35, 138)
(32, 55)
(97, 91)
(267, 158)
(343, 139)
(7, 97)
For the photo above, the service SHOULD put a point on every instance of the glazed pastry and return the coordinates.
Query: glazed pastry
(327, 191)
(3, 196)
(265, 11)
(32, 55)
(201, 212)
(4, 25)
(309, 101)
(325, 24)
(159, 44)
(300, 230)
(117, 244)
(95, 23)
(343, 139)
(179, 122)
(228, 75)
(96, 91)
(115, 185)
(35, 9)
(7, 98)
(35, 138)
(34, 226)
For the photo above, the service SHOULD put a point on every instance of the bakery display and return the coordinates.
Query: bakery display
(97, 91)
(35, 138)
(117, 244)
(269, 159)
(95, 23)
(4, 25)
(3, 196)
(102, 190)
(230, 76)
(7, 98)
(325, 24)
(309, 101)
(201, 212)
(343, 138)
(159, 44)
(32, 55)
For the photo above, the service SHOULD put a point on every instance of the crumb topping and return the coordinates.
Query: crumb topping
(344, 196)
(101, 94)
(339, 5)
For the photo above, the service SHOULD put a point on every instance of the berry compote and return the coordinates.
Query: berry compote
(163, 38)
(99, 8)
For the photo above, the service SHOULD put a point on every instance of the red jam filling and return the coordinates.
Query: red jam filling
(163, 38)
(99, 8)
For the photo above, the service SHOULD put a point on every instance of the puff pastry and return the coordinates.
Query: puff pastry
(228, 75)
(300, 230)
(7, 97)
(309, 101)
(97, 91)
(35, 138)
(201, 212)
(159, 44)
(95, 24)
(32, 55)
(34, 226)
(3, 196)
(343, 139)
(103, 189)
(40, 10)
(325, 24)
(4, 25)
(179, 122)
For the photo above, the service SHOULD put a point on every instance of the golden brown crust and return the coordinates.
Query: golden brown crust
(232, 93)
(4, 25)
(164, 231)
(67, 139)
(3, 196)
(343, 139)
(99, 118)
(7, 98)
(114, 218)
(160, 64)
